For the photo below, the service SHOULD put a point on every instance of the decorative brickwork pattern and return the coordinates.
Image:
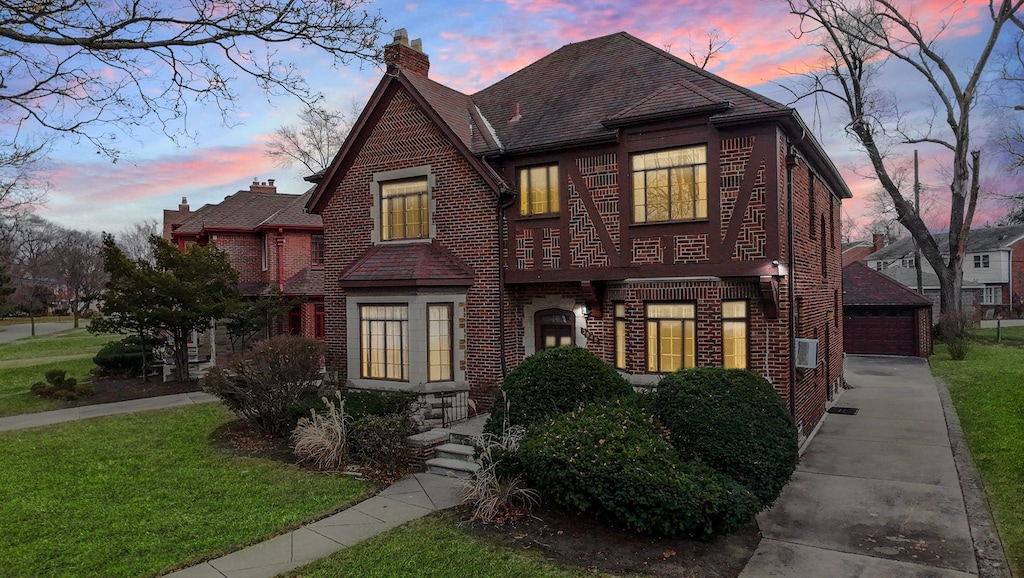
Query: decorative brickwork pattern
(585, 246)
(733, 158)
(601, 177)
(551, 245)
(754, 233)
(648, 251)
(524, 249)
(691, 248)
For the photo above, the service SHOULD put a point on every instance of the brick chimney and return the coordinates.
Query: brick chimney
(258, 187)
(173, 219)
(401, 55)
(878, 241)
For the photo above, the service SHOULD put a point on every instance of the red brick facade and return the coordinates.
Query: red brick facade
(768, 189)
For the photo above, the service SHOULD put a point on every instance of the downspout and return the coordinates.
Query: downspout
(502, 206)
(790, 164)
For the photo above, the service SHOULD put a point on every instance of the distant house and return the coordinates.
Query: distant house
(882, 316)
(993, 268)
(610, 196)
(858, 251)
(276, 247)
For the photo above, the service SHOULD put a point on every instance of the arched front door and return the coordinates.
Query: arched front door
(555, 327)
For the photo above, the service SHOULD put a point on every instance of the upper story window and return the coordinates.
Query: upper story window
(317, 250)
(538, 190)
(981, 261)
(265, 254)
(404, 210)
(908, 263)
(670, 185)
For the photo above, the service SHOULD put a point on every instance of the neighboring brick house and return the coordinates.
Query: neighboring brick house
(881, 316)
(858, 251)
(609, 195)
(276, 247)
(993, 269)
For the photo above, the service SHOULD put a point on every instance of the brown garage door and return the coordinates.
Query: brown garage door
(880, 331)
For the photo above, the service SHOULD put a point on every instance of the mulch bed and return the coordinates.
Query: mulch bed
(111, 390)
(580, 540)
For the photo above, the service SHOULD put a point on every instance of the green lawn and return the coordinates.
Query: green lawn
(23, 362)
(437, 547)
(1009, 335)
(142, 494)
(988, 392)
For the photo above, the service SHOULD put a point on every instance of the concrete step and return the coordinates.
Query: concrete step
(455, 452)
(470, 428)
(447, 466)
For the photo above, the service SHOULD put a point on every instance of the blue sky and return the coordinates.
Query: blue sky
(471, 44)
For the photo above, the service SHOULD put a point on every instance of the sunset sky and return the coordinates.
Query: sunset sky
(472, 44)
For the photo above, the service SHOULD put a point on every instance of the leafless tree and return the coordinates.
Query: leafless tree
(134, 240)
(92, 69)
(857, 39)
(715, 43)
(314, 141)
(78, 268)
(32, 251)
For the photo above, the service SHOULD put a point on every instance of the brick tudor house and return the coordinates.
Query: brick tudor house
(273, 243)
(610, 196)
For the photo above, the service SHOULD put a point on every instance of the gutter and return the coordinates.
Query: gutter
(790, 164)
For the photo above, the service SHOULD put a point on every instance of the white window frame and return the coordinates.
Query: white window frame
(992, 295)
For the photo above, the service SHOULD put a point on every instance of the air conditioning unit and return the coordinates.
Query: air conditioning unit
(806, 353)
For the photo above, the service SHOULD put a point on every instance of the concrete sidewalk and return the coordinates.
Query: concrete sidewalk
(879, 493)
(10, 333)
(42, 418)
(412, 497)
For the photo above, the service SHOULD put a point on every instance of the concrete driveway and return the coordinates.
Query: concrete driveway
(877, 493)
(13, 332)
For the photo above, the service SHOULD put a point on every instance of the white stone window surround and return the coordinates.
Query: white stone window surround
(398, 175)
(418, 375)
(551, 302)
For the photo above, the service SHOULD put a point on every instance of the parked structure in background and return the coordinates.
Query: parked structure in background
(276, 247)
(609, 196)
(993, 270)
(881, 316)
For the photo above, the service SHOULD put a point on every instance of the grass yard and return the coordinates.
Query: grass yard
(1009, 335)
(142, 494)
(987, 391)
(23, 362)
(437, 547)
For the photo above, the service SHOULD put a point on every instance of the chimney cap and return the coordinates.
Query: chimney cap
(401, 37)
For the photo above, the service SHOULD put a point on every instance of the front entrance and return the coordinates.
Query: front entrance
(554, 328)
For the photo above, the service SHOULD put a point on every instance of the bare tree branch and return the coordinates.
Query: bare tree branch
(92, 69)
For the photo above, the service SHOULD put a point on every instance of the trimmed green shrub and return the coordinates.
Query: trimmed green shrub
(59, 386)
(551, 382)
(264, 384)
(611, 460)
(734, 421)
(360, 403)
(123, 357)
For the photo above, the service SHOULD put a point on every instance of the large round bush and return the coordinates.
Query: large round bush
(551, 382)
(611, 461)
(734, 421)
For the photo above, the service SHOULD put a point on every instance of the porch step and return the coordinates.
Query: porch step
(455, 452)
(448, 466)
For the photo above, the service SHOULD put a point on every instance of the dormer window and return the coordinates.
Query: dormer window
(670, 185)
(538, 190)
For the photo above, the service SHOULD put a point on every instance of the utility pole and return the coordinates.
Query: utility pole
(917, 209)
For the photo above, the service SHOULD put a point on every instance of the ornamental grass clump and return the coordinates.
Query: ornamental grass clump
(498, 491)
(322, 438)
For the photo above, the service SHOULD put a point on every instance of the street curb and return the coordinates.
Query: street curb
(988, 548)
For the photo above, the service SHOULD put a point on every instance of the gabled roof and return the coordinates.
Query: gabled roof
(865, 286)
(407, 264)
(981, 240)
(580, 94)
(251, 211)
(929, 280)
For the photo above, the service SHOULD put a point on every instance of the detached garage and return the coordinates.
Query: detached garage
(882, 316)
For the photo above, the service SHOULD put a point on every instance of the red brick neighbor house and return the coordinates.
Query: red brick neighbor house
(609, 196)
(276, 247)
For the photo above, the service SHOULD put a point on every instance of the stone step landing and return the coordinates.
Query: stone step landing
(453, 460)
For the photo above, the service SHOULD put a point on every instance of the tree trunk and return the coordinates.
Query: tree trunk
(950, 286)
(181, 357)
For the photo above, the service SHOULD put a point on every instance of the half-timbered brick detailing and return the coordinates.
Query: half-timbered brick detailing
(656, 203)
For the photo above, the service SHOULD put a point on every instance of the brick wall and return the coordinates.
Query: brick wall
(464, 220)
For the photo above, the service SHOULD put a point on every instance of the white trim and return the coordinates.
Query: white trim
(410, 173)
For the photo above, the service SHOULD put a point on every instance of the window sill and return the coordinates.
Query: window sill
(704, 220)
(543, 217)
